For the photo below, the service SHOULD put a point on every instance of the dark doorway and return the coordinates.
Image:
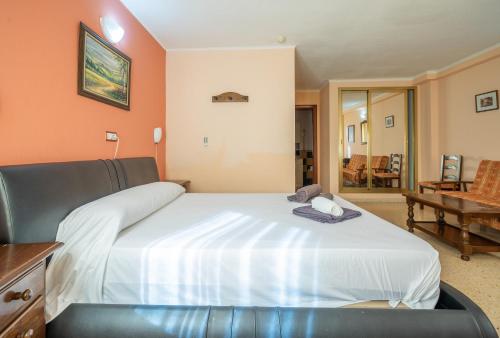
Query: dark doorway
(305, 146)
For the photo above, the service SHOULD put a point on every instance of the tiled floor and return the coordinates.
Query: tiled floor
(479, 278)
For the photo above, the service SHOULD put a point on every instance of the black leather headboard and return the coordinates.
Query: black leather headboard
(35, 198)
(136, 171)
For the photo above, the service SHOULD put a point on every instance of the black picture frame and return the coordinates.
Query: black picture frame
(389, 121)
(483, 99)
(98, 80)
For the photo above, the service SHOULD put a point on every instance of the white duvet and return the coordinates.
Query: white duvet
(249, 249)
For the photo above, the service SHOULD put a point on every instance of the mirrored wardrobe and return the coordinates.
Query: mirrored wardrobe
(377, 139)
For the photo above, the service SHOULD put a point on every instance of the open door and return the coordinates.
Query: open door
(306, 168)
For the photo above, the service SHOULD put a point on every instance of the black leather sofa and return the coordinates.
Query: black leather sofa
(35, 198)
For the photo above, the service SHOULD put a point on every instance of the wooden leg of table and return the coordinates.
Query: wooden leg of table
(466, 247)
(421, 190)
(440, 220)
(410, 222)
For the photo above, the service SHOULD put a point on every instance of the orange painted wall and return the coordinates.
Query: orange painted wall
(42, 118)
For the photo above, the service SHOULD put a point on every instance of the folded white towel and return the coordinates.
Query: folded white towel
(327, 206)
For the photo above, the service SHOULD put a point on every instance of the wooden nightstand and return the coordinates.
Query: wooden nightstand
(184, 183)
(22, 289)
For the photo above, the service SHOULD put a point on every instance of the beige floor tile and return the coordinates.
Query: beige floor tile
(479, 278)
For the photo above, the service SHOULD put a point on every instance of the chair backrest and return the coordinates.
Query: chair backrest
(396, 163)
(487, 180)
(357, 162)
(379, 162)
(451, 167)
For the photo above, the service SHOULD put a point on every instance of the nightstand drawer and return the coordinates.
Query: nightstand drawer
(31, 324)
(20, 294)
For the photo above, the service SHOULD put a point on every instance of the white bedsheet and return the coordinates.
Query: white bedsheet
(249, 249)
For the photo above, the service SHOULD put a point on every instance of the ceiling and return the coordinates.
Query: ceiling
(359, 98)
(334, 39)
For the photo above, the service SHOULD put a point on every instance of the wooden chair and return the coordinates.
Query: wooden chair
(485, 189)
(353, 172)
(451, 174)
(385, 178)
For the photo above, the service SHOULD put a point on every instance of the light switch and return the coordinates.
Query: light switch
(205, 141)
(111, 136)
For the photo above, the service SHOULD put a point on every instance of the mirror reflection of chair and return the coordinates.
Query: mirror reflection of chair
(451, 174)
(379, 164)
(385, 178)
(354, 171)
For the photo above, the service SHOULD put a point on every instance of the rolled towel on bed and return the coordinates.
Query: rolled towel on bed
(304, 194)
(326, 206)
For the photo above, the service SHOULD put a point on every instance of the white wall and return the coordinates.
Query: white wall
(251, 145)
(386, 141)
(325, 141)
(462, 130)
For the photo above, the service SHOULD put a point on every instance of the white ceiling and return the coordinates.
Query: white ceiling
(359, 98)
(335, 39)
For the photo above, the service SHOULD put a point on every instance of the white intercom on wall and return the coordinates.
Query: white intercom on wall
(157, 135)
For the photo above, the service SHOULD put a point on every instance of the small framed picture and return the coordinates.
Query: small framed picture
(389, 121)
(364, 132)
(350, 134)
(487, 101)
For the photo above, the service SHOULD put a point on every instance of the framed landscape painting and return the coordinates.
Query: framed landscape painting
(103, 71)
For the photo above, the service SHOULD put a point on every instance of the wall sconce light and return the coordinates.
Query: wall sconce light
(112, 30)
(362, 113)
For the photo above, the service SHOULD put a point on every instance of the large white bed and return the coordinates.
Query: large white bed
(249, 249)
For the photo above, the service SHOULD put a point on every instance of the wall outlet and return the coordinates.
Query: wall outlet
(111, 136)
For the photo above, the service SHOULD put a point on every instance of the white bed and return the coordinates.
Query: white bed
(249, 249)
(154, 244)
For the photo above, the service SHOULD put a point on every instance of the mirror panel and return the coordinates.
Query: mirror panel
(354, 104)
(377, 127)
(387, 139)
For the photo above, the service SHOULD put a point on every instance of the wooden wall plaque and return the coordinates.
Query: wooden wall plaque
(230, 97)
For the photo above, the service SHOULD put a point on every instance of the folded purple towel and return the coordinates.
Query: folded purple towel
(304, 194)
(308, 212)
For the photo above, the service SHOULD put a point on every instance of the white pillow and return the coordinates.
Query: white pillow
(128, 206)
(76, 271)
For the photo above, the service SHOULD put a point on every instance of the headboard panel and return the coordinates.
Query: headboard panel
(136, 171)
(35, 198)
